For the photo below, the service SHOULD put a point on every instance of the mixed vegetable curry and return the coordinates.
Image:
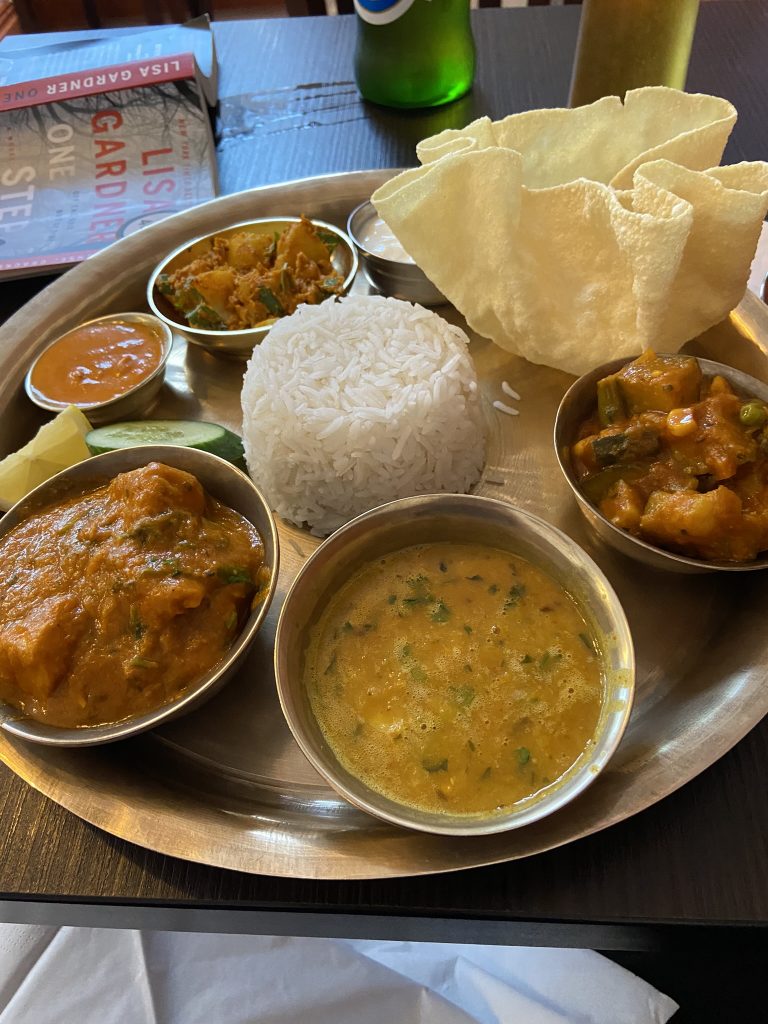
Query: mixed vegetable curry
(454, 678)
(117, 601)
(250, 279)
(678, 459)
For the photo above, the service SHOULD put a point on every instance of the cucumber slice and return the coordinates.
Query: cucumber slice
(210, 437)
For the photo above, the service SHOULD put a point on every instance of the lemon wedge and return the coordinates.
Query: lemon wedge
(56, 446)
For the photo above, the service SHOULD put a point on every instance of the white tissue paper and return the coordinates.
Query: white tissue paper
(103, 976)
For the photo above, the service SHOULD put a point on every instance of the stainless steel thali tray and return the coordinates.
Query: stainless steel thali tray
(227, 786)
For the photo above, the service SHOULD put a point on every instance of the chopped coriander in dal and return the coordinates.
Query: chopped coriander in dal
(471, 690)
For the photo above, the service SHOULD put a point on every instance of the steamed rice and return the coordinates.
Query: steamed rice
(355, 402)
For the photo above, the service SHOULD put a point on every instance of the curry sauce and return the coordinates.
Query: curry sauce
(97, 362)
(116, 601)
(454, 678)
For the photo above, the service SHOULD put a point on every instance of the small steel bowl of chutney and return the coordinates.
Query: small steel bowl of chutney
(386, 265)
(111, 368)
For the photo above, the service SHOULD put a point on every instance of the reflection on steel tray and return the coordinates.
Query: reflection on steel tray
(227, 785)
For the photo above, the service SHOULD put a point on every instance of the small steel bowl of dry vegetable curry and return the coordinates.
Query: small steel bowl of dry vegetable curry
(133, 586)
(111, 368)
(667, 456)
(224, 291)
(454, 665)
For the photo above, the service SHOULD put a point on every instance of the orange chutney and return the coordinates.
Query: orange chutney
(115, 602)
(97, 362)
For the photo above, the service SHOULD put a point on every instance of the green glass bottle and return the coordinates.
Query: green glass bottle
(413, 53)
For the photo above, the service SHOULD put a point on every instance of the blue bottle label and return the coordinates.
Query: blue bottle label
(382, 12)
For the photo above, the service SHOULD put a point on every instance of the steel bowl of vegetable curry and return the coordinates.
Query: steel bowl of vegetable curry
(223, 291)
(454, 665)
(667, 456)
(134, 584)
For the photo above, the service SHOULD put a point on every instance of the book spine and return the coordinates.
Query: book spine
(89, 83)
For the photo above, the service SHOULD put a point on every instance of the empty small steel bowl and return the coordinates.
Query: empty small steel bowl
(242, 342)
(400, 279)
(222, 481)
(130, 404)
(453, 517)
(578, 403)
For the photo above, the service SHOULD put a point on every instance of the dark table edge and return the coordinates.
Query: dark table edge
(637, 936)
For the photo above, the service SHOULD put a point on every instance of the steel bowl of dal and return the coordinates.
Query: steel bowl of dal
(451, 518)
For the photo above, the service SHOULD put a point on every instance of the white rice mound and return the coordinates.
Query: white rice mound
(356, 402)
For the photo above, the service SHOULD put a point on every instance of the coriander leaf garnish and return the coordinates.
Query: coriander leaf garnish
(549, 660)
(233, 574)
(463, 695)
(440, 613)
(587, 642)
(515, 595)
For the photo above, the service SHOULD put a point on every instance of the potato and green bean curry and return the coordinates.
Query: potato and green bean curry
(678, 459)
(454, 678)
(115, 602)
(252, 278)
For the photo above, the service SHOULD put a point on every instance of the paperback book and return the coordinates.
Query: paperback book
(91, 152)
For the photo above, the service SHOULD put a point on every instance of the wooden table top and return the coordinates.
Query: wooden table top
(289, 109)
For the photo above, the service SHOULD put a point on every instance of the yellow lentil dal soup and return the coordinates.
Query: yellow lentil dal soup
(454, 678)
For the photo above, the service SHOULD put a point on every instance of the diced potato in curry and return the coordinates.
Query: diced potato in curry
(251, 278)
(247, 250)
(678, 459)
(707, 524)
(300, 239)
(215, 288)
(659, 383)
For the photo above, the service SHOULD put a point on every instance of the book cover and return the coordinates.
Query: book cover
(88, 156)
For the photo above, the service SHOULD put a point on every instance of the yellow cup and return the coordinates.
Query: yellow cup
(625, 44)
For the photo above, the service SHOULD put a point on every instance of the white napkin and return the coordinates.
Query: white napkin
(104, 976)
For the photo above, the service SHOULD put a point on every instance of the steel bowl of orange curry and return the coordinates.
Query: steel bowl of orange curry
(454, 665)
(667, 457)
(134, 584)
